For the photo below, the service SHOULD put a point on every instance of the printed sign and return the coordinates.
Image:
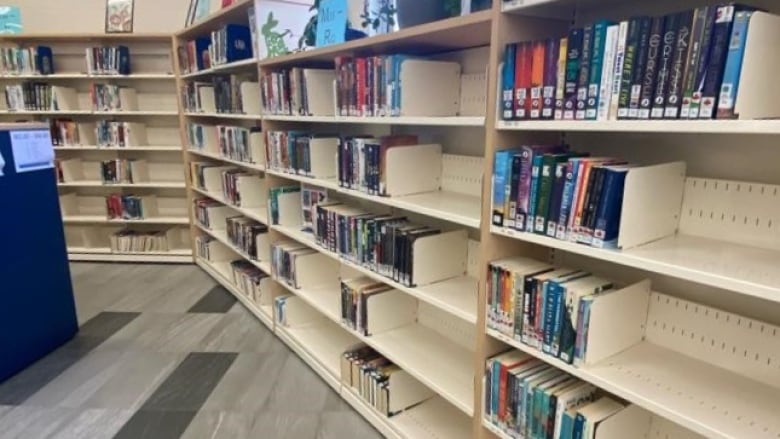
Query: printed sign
(32, 150)
(331, 22)
(10, 20)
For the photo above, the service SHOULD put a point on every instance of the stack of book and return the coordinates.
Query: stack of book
(205, 209)
(26, 60)
(205, 245)
(684, 65)
(243, 233)
(294, 152)
(120, 134)
(194, 55)
(137, 207)
(284, 255)
(247, 278)
(111, 97)
(231, 43)
(29, 96)
(311, 197)
(361, 164)
(64, 132)
(386, 387)
(117, 171)
(551, 191)
(525, 397)
(228, 92)
(132, 241)
(198, 97)
(542, 306)
(108, 60)
(298, 91)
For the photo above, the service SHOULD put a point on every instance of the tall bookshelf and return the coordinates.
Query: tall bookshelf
(677, 387)
(82, 195)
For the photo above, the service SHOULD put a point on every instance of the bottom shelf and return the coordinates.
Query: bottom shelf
(263, 313)
(104, 254)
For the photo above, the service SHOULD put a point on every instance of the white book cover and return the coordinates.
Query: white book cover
(280, 25)
(617, 77)
(608, 67)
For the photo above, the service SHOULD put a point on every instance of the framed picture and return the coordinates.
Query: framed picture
(119, 16)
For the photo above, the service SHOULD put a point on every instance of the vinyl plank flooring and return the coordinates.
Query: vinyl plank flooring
(248, 384)
(28, 422)
(296, 380)
(217, 300)
(172, 332)
(338, 425)
(285, 425)
(216, 424)
(92, 424)
(156, 424)
(240, 332)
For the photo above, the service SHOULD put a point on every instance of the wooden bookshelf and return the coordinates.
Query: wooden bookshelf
(697, 269)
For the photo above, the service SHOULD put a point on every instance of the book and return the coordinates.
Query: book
(733, 68)
(560, 82)
(700, 16)
(583, 78)
(651, 67)
(523, 76)
(703, 62)
(617, 74)
(538, 64)
(674, 94)
(552, 59)
(571, 78)
(638, 70)
(508, 82)
(630, 56)
(608, 73)
(597, 61)
(606, 224)
(668, 45)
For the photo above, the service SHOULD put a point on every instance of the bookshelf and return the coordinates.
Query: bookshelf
(696, 259)
(151, 111)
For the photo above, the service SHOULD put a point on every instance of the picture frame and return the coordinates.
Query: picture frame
(119, 16)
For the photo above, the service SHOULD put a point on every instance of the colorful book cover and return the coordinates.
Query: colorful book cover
(598, 49)
(523, 75)
(551, 60)
(629, 63)
(607, 223)
(560, 82)
(692, 63)
(537, 80)
(501, 169)
(508, 82)
(650, 71)
(281, 26)
(573, 61)
(703, 62)
(730, 86)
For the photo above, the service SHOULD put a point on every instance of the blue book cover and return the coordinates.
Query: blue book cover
(496, 384)
(567, 426)
(549, 313)
(579, 426)
(730, 85)
(501, 169)
(583, 323)
(508, 82)
(44, 60)
(567, 198)
(202, 48)
(536, 173)
(123, 52)
(557, 325)
(239, 42)
(610, 208)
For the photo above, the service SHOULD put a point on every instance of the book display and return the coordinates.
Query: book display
(549, 219)
(111, 104)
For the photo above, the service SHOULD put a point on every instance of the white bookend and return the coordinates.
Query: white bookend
(250, 98)
(322, 155)
(207, 101)
(139, 170)
(219, 252)
(405, 391)
(218, 216)
(263, 244)
(299, 312)
(253, 191)
(128, 99)
(758, 96)
(72, 170)
(319, 91)
(412, 169)
(439, 257)
(257, 148)
(430, 88)
(389, 310)
(87, 134)
(651, 203)
(289, 205)
(269, 289)
(149, 206)
(64, 99)
(632, 421)
(617, 321)
(136, 134)
(212, 178)
(69, 204)
(210, 139)
(316, 270)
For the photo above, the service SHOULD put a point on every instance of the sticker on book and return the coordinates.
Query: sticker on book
(32, 150)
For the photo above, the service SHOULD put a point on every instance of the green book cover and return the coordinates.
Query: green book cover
(546, 178)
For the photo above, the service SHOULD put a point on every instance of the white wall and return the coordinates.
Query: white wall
(88, 16)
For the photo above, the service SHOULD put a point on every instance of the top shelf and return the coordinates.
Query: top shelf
(231, 14)
(464, 32)
(714, 126)
(84, 37)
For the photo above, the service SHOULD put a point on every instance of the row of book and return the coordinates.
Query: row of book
(543, 306)
(233, 181)
(243, 234)
(284, 255)
(231, 43)
(297, 91)
(34, 60)
(527, 398)
(104, 133)
(383, 385)
(369, 86)
(108, 60)
(134, 241)
(551, 191)
(119, 206)
(361, 161)
(684, 65)
(379, 242)
(355, 297)
(234, 142)
(65, 132)
(112, 97)
(117, 171)
(291, 152)
(231, 94)
(30, 96)
(248, 279)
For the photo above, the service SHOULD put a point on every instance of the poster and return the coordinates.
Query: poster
(119, 16)
(10, 20)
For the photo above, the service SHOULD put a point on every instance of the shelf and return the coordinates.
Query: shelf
(495, 430)
(450, 34)
(325, 300)
(321, 345)
(225, 115)
(747, 270)
(252, 166)
(90, 113)
(105, 255)
(235, 13)
(456, 296)
(648, 126)
(262, 313)
(221, 236)
(152, 185)
(133, 76)
(259, 214)
(119, 148)
(96, 219)
(223, 68)
(456, 121)
(708, 400)
(136, 37)
(327, 184)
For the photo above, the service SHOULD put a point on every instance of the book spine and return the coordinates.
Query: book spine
(508, 82)
(499, 182)
(524, 187)
(583, 79)
(544, 194)
(604, 98)
(549, 316)
(537, 79)
(573, 60)
(617, 72)
(566, 198)
(551, 61)
(560, 83)
(654, 48)
(692, 63)
(597, 61)
(703, 62)
(556, 198)
(536, 171)
(730, 85)
(512, 189)
(523, 80)
(668, 45)
(721, 34)
(638, 64)
(674, 95)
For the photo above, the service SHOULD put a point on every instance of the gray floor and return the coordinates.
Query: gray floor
(165, 353)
